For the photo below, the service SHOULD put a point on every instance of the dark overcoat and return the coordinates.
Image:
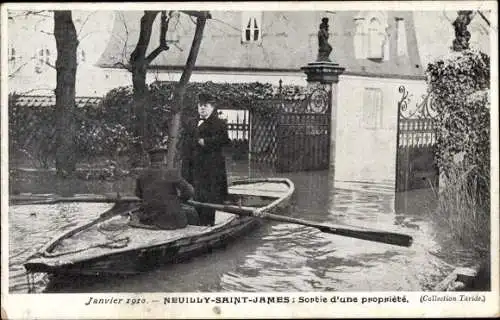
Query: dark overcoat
(205, 166)
(162, 192)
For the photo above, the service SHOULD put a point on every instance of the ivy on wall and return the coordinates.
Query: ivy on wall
(460, 85)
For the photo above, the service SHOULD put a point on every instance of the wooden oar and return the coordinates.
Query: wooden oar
(27, 200)
(359, 233)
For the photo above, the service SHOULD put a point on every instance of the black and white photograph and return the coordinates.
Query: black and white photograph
(244, 159)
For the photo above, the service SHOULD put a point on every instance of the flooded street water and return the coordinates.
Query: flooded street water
(275, 256)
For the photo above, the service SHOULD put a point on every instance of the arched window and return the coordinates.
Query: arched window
(375, 39)
(370, 36)
(251, 27)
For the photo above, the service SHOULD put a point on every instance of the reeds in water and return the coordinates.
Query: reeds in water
(464, 205)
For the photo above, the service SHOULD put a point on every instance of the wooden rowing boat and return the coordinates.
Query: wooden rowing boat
(112, 245)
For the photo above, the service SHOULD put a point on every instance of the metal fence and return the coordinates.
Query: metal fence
(416, 140)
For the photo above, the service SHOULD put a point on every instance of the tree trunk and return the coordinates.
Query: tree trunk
(174, 127)
(139, 108)
(66, 44)
(138, 65)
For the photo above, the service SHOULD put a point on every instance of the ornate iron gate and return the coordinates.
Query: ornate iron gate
(304, 132)
(263, 142)
(297, 136)
(416, 140)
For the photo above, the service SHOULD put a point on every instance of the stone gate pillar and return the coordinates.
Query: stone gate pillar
(326, 74)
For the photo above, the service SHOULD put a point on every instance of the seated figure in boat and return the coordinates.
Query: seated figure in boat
(163, 192)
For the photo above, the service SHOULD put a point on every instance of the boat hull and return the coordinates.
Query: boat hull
(145, 259)
(147, 249)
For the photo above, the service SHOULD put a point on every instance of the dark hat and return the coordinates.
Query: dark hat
(205, 98)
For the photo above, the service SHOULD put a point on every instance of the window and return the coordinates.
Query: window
(359, 38)
(12, 56)
(375, 40)
(401, 37)
(372, 108)
(370, 36)
(251, 27)
(42, 59)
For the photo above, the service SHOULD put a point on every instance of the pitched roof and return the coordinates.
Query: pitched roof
(289, 42)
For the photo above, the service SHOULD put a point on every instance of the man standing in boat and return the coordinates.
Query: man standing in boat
(163, 191)
(203, 164)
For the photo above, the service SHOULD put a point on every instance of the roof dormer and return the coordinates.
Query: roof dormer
(371, 40)
(251, 27)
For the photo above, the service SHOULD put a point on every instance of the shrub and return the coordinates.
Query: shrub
(31, 133)
(107, 129)
(460, 88)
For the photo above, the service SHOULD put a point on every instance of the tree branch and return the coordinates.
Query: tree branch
(123, 65)
(13, 73)
(85, 22)
(88, 34)
(29, 13)
(46, 32)
(124, 51)
(39, 13)
(447, 18)
(164, 28)
(144, 36)
(178, 47)
(155, 53)
(163, 38)
(484, 17)
(50, 65)
(227, 24)
(193, 53)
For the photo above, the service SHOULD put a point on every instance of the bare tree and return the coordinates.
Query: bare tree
(66, 44)
(174, 127)
(138, 65)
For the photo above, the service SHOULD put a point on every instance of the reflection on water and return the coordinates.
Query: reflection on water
(276, 256)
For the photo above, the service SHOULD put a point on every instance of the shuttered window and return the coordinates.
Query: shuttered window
(372, 108)
(376, 40)
(401, 37)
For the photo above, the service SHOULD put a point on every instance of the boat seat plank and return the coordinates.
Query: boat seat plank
(276, 190)
(279, 187)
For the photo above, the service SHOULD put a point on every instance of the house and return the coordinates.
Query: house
(380, 50)
(32, 52)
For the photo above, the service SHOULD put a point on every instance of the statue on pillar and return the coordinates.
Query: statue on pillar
(325, 48)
